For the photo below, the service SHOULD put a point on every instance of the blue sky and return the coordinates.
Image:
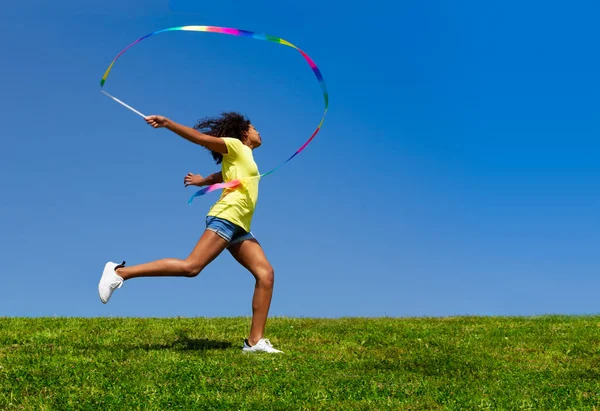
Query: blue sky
(457, 172)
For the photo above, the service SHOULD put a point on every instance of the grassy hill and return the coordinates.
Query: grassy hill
(458, 363)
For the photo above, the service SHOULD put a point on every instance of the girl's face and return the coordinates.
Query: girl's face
(253, 137)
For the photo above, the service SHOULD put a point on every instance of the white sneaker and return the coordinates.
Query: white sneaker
(110, 281)
(263, 345)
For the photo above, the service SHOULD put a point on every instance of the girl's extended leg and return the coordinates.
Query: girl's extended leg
(207, 249)
(250, 254)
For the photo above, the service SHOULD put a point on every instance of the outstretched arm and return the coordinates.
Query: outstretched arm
(212, 143)
(197, 180)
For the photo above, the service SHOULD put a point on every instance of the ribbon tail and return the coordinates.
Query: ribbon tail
(198, 194)
(229, 184)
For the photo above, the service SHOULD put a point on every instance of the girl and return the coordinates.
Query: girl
(231, 139)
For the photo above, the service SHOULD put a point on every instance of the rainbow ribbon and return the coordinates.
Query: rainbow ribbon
(240, 33)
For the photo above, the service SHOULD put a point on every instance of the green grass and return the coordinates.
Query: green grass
(458, 363)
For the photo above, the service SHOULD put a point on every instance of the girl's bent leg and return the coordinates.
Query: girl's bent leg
(206, 250)
(250, 254)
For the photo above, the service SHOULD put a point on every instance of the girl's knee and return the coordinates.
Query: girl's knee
(191, 269)
(266, 277)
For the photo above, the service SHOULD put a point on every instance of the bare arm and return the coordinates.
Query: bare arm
(197, 180)
(212, 143)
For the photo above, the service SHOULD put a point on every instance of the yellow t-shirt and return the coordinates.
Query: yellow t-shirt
(237, 204)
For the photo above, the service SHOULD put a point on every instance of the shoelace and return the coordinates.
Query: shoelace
(267, 342)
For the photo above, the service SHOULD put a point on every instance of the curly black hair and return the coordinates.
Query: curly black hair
(229, 124)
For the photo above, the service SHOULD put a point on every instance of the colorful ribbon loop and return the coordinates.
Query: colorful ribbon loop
(240, 33)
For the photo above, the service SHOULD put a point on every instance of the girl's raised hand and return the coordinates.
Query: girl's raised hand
(157, 121)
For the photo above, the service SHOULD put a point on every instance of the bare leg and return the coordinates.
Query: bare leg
(250, 254)
(207, 249)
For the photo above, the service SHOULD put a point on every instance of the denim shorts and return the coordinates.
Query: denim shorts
(232, 233)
